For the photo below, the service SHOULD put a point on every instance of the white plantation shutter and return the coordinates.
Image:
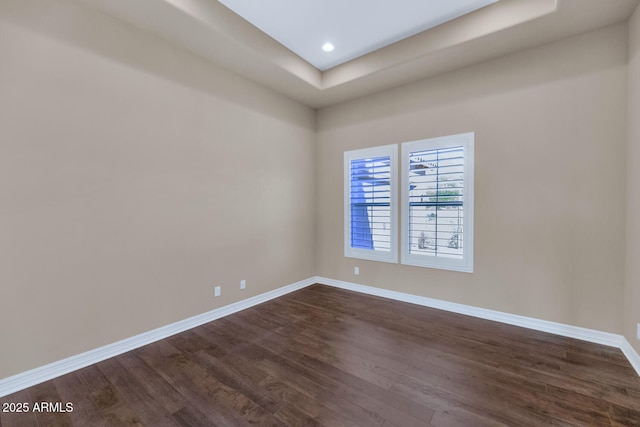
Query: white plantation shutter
(436, 188)
(370, 204)
(438, 202)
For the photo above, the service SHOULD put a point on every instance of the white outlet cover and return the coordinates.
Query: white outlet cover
(356, 270)
(638, 331)
(243, 284)
(216, 291)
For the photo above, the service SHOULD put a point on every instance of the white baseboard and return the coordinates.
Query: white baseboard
(631, 354)
(590, 335)
(44, 373)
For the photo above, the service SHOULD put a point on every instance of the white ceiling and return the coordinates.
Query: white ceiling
(210, 30)
(353, 27)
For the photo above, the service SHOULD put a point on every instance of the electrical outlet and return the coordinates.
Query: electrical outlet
(216, 291)
(638, 331)
(356, 270)
(243, 284)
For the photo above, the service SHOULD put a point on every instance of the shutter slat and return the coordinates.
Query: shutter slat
(371, 203)
(436, 214)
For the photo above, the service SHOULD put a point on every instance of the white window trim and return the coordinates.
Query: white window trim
(467, 141)
(350, 252)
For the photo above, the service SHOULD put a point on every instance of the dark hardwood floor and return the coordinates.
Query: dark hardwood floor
(325, 356)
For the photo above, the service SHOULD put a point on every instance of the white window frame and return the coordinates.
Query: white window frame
(465, 140)
(373, 255)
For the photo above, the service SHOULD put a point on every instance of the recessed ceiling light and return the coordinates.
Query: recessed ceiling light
(327, 47)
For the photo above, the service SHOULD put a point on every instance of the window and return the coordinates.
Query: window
(437, 203)
(437, 200)
(370, 206)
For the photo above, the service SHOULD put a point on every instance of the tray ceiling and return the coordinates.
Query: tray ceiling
(212, 31)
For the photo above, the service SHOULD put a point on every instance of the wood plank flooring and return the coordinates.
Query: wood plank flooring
(330, 357)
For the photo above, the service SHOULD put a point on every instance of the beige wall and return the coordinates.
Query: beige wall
(550, 144)
(632, 279)
(133, 177)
